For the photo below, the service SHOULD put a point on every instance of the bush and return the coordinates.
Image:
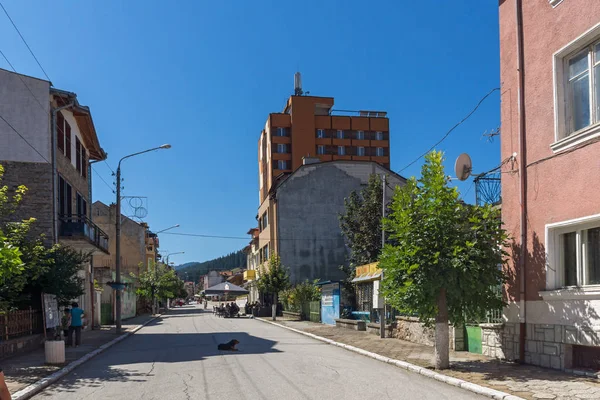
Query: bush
(303, 293)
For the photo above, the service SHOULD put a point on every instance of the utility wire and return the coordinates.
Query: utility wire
(24, 41)
(103, 180)
(21, 79)
(22, 137)
(451, 129)
(240, 237)
(108, 165)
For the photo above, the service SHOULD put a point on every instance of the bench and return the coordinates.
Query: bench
(351, 324)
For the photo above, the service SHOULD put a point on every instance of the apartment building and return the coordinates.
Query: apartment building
(550, 74)
(47, 141)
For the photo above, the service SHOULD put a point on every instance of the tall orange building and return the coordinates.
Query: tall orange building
(310, 127)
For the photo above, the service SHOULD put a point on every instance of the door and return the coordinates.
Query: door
(330, 303)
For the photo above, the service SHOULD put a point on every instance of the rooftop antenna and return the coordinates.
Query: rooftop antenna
(298, 84)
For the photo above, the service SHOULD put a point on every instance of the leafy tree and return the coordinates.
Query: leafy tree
(60, 275)
(273, 280)
(159, 282)
(444, 263)
(303, 293)
(361, 227)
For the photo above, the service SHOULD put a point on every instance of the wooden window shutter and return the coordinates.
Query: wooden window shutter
(84, 163)
(68, 141)
(77, 154)
(60, 129)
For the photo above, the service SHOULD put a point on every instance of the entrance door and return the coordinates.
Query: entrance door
(330, 303)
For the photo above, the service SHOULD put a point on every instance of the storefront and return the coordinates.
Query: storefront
(366, 283)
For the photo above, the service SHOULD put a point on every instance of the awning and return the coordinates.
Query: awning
(225, 288)
(374, 276)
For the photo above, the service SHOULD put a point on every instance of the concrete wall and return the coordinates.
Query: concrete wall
(411, 330)
(20, 108)
(309, 203)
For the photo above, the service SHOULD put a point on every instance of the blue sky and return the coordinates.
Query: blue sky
(203, 76)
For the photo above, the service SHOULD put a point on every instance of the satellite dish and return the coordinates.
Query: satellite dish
(463, 167)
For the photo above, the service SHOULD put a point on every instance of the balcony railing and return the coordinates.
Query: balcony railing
(81, 227)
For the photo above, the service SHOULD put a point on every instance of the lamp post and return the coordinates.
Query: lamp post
(118, 283)
(155, 271)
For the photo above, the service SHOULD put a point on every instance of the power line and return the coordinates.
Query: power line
(103, 180)
(108, 165)
(22, 81)
(24, 41)
(240, 237)
(451, 129)
(22, 137)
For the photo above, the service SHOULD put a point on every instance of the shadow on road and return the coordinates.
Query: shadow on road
(135, 359)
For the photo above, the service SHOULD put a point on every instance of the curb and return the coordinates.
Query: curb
(471, 387)
(43, 383)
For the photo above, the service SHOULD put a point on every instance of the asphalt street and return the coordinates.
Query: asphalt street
(176, 357)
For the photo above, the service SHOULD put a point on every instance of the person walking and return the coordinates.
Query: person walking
(65, 323)
(76, 324)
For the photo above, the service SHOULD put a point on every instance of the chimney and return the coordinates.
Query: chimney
(310, 160)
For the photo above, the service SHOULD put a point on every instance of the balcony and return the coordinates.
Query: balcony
(82, 234)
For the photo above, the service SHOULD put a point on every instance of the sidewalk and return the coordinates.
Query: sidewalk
(23, 370)
(526, 381)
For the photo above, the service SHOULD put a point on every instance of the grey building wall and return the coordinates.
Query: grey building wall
(309, 202)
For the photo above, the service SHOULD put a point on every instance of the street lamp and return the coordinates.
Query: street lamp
(118, 234)
(171, 254)
(171, 227)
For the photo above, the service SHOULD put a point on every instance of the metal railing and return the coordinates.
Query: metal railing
(14, 324)
(81, 226)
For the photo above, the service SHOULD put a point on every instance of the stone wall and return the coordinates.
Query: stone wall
(37, 202)
(411, 330)
(500, 341)
(20, 345)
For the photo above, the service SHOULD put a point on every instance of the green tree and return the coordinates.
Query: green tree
(444, 260)
(60, 274)
(159, 282)
(361, 227)
(273, 280)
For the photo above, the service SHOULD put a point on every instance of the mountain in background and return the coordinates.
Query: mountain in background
(195, 270)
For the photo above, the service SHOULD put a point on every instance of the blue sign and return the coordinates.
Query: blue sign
(330, 303)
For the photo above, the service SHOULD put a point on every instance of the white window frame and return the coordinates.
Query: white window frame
(320, 150)
(280, 132)
(281, 163)
(282, 148)
(358, 151)
(555, 288)
(339, 134)
(321, 133)
(379, 152)
(360, 135)
(563, 137)
(378, 135)
(341, 150)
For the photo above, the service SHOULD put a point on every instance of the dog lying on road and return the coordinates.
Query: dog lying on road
(229, 346)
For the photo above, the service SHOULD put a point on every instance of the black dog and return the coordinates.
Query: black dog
(229, 346)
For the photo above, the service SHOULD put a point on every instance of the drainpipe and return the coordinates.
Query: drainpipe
(522, 183)
(92, 288)
(54, 171)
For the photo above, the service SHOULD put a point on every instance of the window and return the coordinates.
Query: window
(341, 151)
(282, 148)
(379, 152)
(80, 158)
(281, 132)
(378, 135)
(321, 133)
(63, 135)
(81, 206)
(320, 150)
(360, 135)
(265, 220)
(65, 199)
(360, 151)
(283, 164)
(574, 254)
(339, 134)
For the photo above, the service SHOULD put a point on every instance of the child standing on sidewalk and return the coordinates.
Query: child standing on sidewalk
(65, 323)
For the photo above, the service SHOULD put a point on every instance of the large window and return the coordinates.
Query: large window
(63, 135)
(341, 151)
(282, 148)
(80, 158)
(65, 198)
(283, 164)
(81, 206)
(360, 151)
(583, 88)
(378, 135)
(575, 251)
(321, 133)
(320, 150)
(339, 134)
(379, 152)
(282, 132)
(360, 135)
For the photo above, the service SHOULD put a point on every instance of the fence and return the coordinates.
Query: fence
(14, 324)
(315, 311)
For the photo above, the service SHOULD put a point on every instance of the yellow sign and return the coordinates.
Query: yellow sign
(367, 269)
(249, 275)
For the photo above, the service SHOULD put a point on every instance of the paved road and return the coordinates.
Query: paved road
(177, 358)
